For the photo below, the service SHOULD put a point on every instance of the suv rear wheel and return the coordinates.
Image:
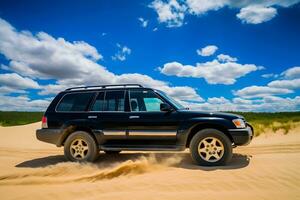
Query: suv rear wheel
(211, 147)
(80, 146)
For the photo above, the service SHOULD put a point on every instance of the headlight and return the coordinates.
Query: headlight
(239, 123)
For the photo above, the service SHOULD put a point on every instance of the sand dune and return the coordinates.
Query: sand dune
(29, 169)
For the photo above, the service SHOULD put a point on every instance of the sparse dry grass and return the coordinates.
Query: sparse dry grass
(261, 128)
(12, 118)
(263, 122)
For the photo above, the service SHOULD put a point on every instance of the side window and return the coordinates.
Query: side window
(75, 102)
(114, 101)
(144, 101)
(99, 102)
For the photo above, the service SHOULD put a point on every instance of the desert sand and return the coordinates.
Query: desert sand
(266, 169)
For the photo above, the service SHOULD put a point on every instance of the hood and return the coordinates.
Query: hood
(192, 113)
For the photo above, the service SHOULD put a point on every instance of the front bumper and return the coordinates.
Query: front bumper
(52, 136)
(241, 136)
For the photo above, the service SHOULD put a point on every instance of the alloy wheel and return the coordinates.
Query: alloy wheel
(211, 149)
(79, 149)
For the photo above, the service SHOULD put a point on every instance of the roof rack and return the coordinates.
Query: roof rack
(105, 86)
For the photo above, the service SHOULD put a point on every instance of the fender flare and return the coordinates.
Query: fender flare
(191, 126)
(71, 126)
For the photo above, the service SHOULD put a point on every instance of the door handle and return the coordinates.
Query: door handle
(92, 117)
(134, 117)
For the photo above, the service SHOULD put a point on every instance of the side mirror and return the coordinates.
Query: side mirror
(165, 107)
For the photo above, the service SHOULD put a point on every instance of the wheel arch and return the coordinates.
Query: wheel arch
(68, 130)
(206, 125)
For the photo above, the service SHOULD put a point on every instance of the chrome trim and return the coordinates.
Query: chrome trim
(240, 129)
(146, 148)
(114, 132)
(92, 117)
(134, 117)
(106, 112)
(172, 133)
(105, 86)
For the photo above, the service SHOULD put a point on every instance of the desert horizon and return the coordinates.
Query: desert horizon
(268, 167)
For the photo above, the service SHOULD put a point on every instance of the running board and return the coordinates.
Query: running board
(137, 148)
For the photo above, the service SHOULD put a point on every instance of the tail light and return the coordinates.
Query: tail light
(44, 122)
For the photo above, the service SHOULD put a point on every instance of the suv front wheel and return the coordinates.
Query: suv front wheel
(211, 147)
(80, 146)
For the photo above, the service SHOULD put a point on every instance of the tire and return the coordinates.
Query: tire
(206, 148)
(112, 152)
(80, 146)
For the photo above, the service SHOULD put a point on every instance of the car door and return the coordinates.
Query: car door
(147, 124)
(109, 116)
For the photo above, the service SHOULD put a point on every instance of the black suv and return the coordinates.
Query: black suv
(127, 117)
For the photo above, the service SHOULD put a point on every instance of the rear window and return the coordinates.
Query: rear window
(75, 102)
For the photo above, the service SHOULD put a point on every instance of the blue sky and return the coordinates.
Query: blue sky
(210, 55)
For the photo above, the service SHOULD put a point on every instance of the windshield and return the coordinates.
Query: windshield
(171, 100)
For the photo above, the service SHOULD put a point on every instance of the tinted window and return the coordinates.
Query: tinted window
(99, 103)
(114, 101)
(75, 102)
(144, 101)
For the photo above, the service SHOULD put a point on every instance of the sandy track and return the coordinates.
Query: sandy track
(29, 169)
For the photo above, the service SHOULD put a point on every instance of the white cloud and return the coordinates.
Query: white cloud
(178, 92)
(171, 12)
(256, 14)
(291, 73)
(261, 91)
(69, 64)
(217, 100)
(43, 56)
(265, 3)
(283, 86)
(277, 104)
(144, 23)
(16, 81)
(184, 93)
(207, 51)
(242, 101)
(9, 90)
(271, 75)
(199, 7)
(53, 89)
(268, 103)
(213, 72)
(123, 51)
(288, 84)
(226, 58)
(22, 103)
